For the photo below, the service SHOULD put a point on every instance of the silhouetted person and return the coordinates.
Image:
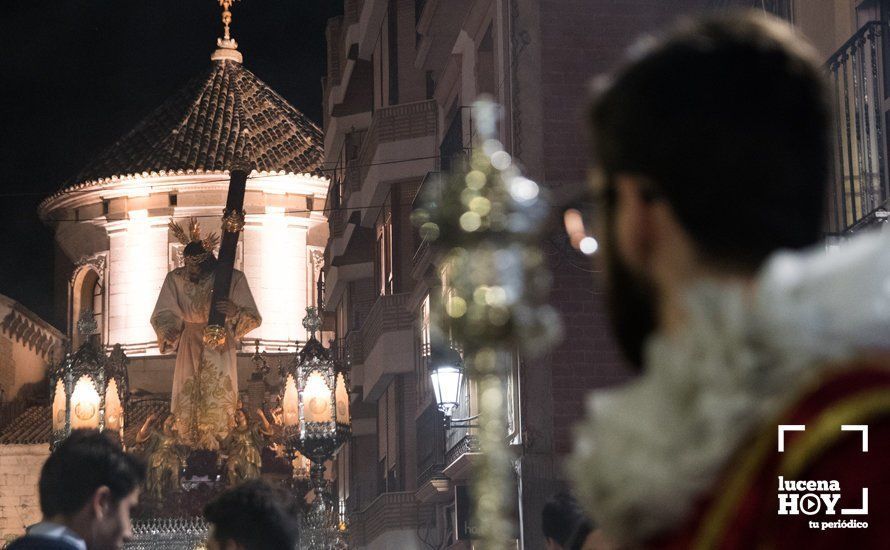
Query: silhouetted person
(88, 488)
(251, 516)
(711, 158)
(564, 523)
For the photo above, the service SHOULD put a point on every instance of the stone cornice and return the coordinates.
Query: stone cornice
(146, 183)
(24, 326)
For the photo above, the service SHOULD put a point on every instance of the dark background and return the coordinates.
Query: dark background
(76, 75)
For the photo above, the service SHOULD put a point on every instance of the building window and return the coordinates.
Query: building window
(88, 299)
(452, 151)
(485, 65)
(343, 316)
(388, 429)
(430, 85)
(392, 40)
(425, 327)
(424, 344)
(384, 252)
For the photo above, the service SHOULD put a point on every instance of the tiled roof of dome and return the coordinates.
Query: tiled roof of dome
(223, 117)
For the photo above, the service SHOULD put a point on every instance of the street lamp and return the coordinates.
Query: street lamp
(447, 375)
(89, 390)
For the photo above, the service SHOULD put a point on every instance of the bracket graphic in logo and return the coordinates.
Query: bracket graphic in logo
(863, 429)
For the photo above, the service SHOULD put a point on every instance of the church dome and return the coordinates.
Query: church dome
(224, 116)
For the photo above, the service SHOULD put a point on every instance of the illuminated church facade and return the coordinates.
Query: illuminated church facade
(111, 224)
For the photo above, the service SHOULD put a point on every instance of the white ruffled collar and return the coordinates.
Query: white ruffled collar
(648, 450)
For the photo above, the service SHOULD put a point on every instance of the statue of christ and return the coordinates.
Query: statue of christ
(205, 380)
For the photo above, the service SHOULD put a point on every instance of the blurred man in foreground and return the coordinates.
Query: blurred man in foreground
(251, 516)
(88, 488)
(711, 157)
(564, 523)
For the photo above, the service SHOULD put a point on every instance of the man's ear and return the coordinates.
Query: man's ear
(632, 221)
(101, 502)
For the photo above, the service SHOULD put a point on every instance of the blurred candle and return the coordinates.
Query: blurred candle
(317, 399)
(290, 405)
(84, 405)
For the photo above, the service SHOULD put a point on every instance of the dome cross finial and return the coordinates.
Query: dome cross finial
(226, 17)
(227, 48)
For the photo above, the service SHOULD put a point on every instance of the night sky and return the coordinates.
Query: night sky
(77, 75)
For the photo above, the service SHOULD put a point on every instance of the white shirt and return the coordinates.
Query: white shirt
(55, 531)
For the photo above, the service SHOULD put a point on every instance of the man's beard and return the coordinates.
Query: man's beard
(630, 301)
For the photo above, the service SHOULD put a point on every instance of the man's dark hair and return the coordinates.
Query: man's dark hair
(563, 520)
(84, 462)
(254, 515)
(728, 116)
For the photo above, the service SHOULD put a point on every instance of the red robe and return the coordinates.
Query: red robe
(743, 512)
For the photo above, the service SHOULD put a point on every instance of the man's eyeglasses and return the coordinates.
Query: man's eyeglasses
(586, 216)
(583, 216)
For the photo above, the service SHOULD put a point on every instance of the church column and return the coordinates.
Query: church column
(275, 266)
(137, 267)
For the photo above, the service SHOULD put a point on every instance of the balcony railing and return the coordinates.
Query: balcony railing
(354, 348)
(388, 512)
(431, 456)
(397, 123)
(337, 221)
(860, 190)
(352, 9)
(467, 444)
(389, 313)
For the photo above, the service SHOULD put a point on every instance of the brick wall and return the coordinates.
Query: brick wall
(19, 503)
(363, 294)
(579, 40)
(592, 360)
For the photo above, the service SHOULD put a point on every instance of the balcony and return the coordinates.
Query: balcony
(859, 192)
(387, 513)
(460, 457)
(352, 9)
(438, 27)
(400, 143)
(337, 222)
(432, 485)
(354, 345)
(387, 342)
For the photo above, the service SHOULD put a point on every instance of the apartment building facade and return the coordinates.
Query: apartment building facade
(852, 36)
(401, 77)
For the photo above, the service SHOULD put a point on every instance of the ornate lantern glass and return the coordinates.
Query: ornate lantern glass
(59, 407)
(85, 403)
(290, 405)
(314, 399)
(342, 397)
(89, 391)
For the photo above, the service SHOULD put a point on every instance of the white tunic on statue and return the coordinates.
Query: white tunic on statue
(205, 381)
